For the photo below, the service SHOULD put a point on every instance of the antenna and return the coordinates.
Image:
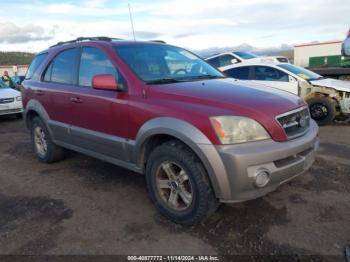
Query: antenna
(132, 22)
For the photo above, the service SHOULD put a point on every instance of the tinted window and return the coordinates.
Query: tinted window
(266, 73)
(214, 61)
(37, 61)
(95, 62)
(239, 72)
(62, 67)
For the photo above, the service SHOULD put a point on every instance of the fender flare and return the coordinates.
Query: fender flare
(194, 139)
(37, 107)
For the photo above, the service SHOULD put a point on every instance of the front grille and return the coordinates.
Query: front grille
(6, 100)
(282, 59)
(295, 123)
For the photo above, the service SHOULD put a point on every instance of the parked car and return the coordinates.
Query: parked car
(200, 138)
(10, 101)
(327, 98)
(224, 60)
(346, 46)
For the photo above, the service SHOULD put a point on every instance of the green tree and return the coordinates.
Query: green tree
(13, 58)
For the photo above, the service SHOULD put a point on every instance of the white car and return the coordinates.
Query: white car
(327, 98)
(10, 101)
(224, 60)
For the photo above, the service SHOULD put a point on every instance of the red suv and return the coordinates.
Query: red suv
(200, 138)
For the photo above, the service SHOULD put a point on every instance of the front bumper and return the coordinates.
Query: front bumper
(282, 160)
(11, 108)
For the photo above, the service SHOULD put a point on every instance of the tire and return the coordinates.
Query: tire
(322, 110)
(49, 152)
(182, 162)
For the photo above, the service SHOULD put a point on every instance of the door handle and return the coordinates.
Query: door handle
(76, 100)
(39, 92)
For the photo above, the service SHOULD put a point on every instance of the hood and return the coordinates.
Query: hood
(8, 93)
(339, 85)
(231, 97)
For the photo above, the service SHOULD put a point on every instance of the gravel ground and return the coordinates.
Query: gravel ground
(85, 206)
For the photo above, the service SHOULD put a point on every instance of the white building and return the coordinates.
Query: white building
(303, 52)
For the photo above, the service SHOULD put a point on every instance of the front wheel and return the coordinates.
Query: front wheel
(178, 184)
(322, 110)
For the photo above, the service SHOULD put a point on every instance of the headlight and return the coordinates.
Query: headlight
(237, 129)
(19, 98)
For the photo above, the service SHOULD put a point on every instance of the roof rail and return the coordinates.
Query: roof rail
(158, 41)
(82, 39)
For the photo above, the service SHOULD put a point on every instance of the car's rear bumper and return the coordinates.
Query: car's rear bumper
(282, 161)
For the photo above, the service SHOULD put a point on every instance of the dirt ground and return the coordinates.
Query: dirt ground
(85, 206)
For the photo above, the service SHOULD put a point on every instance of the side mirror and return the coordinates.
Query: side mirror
(234, 61)
(104, 82)
(292, 79)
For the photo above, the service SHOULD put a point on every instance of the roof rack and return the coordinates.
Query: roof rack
(158, 41)
(82, 39)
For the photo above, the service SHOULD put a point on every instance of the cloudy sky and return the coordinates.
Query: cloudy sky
(34, 25)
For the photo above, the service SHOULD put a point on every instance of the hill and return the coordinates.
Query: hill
(13, 58)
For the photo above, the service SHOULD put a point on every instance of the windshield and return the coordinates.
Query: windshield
(245, 55)
(155, 63)
(301, 72)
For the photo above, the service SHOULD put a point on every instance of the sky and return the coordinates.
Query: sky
(34, 25)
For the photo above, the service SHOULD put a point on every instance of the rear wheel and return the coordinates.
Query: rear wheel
(45, 150)
(322, 110)
(178, 184)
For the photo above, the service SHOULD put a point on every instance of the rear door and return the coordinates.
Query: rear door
(273, 77)
(56, 87)
(100, 117)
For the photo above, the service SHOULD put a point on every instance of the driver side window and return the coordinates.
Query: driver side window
(266, 73)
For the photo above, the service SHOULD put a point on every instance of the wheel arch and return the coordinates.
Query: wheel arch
(160, 130)
(33, 109)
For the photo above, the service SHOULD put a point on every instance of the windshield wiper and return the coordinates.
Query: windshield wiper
(204, 77)
(163, 81)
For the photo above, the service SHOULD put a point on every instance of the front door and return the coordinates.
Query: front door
(100, 116)
(273, 77)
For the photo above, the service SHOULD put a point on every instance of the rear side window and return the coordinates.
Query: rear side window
(95, 62)
(241, 73)
(266, 73)
(37, 61)
(62, 67)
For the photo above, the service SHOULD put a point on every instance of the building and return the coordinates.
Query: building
(303, 52)
(13, 69)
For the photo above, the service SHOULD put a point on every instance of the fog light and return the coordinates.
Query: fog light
(262, 178)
